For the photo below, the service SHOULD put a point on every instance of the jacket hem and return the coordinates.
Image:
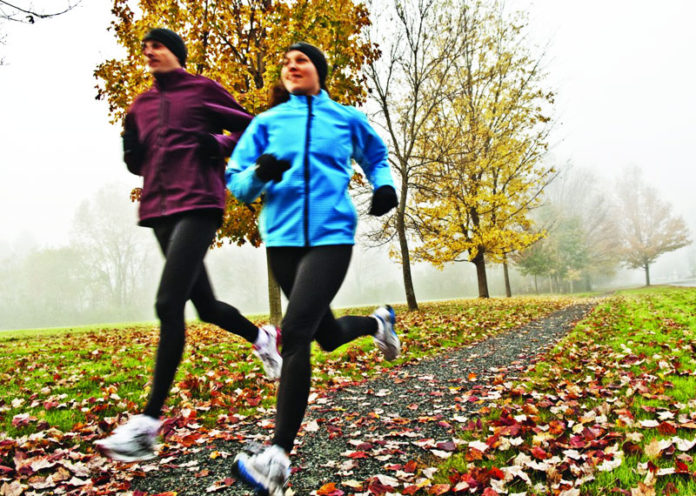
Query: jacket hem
(151, 220)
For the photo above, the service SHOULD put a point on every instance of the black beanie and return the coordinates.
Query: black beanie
(317, 58)
(171, 40)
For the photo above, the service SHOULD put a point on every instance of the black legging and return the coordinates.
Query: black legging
(310, 278)
(185, 239)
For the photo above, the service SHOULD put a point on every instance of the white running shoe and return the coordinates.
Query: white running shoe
(268, 352)
(133, 441)
(267, 471)
(386, 338)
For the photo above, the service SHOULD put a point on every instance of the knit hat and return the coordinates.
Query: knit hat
(171, 40)
(317, 58)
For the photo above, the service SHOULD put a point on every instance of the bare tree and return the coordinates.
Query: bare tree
(648, 228)
(24, 12)
(115, 252)
(418, 39)
(581, 193)
(21, 11)
(580, 220)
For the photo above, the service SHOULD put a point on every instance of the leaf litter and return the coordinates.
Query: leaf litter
(387, 434)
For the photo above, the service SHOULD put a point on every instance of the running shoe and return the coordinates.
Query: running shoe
(267, 471)
(268, 353)
(385, 338)
(133, 441)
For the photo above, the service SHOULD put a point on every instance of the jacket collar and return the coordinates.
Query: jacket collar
(301, 100)
(164, 80)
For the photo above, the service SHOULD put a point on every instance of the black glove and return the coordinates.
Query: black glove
(131, 144)
(270, 168)
(383, 200)
(133, 150)
(207, 145)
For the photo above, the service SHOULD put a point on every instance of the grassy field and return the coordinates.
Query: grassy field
(68, 379)
(23, 334)
(612, 410)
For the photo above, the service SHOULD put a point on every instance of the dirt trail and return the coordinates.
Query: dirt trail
(357, 432)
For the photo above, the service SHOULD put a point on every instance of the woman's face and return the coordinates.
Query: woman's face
(299, 76)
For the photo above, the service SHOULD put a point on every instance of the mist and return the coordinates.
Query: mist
(108, 270)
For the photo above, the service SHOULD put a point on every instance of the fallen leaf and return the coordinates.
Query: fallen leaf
(643, 490)
(329, 489)
(439, 489)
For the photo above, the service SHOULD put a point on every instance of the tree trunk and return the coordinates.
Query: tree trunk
(405, 257)
(536, 285)
(480, 263)
(508, 290)
(276, 311)
(647, 274)
(588, 282)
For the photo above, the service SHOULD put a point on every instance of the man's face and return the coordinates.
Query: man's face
(159, 57)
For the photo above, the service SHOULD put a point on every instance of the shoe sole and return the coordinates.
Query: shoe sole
(121, 457)
(271, 373)
(251, 478)
(391, 351)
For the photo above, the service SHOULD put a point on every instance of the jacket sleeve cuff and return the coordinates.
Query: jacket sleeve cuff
(226, 143)
(245, 184)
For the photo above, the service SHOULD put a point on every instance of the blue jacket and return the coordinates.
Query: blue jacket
(311, 205)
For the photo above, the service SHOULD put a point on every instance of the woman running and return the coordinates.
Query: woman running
(298, 155)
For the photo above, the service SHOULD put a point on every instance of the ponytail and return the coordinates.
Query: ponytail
(278, 94)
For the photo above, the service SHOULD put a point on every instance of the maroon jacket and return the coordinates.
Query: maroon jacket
(169, 117)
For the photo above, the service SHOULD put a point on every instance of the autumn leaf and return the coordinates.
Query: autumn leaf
(643, 490)
(667, 428)
(439, 489)
(539, 453)
(329, 489)
(11, 489)
(656, 446)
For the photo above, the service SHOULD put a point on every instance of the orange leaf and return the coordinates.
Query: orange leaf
(329, 489)
(439, 489)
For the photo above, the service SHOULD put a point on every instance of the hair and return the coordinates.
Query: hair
(278, 94)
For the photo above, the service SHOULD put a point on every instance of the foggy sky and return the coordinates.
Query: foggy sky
(623, 72)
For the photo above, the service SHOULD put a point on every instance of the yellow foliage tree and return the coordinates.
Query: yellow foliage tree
(240, 44)
(486, 145)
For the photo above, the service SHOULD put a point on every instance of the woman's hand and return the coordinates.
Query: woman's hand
(383, 200)
(269, 168)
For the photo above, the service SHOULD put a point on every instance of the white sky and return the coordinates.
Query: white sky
(623, 70)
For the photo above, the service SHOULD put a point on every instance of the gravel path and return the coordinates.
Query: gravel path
(357, 432)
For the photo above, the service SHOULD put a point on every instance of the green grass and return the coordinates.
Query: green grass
(634, 353)
(79, 375)
(23, 334)
(71, 379)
